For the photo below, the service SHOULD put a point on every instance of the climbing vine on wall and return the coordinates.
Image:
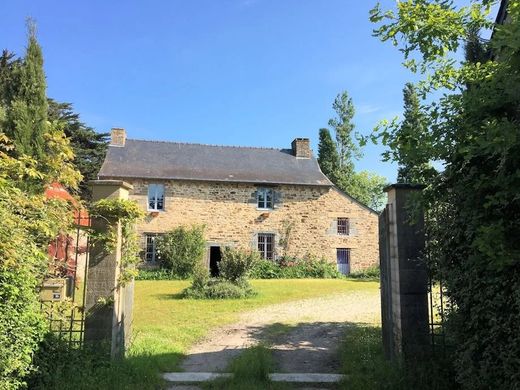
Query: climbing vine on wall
(126, 212)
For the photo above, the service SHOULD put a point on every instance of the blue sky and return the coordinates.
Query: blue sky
(231, 72)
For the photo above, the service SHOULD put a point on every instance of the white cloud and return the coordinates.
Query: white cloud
(365, 109)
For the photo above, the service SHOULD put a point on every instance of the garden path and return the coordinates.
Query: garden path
(303, 335)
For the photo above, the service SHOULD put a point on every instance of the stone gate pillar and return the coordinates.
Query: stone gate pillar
(404, 276)
(108, 305)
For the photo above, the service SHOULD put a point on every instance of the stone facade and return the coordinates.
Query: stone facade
(231, 218)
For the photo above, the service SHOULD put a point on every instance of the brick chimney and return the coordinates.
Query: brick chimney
(301, 148)
(117, 137)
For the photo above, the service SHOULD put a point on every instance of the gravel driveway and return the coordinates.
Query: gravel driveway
(304, 335)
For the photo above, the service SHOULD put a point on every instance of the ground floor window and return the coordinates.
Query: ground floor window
(343, 260)
(151, 255)
(266, 245)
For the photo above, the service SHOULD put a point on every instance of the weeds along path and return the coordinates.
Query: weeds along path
(303, 335)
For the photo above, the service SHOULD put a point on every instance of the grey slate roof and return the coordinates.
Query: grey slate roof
(182, 161)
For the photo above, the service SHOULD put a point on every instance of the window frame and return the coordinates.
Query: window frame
(265, 191)
(346, 226)
(262, 245)
(155, 257)
(155, 198)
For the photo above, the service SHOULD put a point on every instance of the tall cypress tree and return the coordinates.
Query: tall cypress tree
(328, 157)
(27, 116)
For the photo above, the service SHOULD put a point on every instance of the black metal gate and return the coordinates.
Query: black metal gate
(70, 254)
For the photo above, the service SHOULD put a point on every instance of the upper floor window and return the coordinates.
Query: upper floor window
(264, 198)
(343, 226)
(155, 197)
(266, 245)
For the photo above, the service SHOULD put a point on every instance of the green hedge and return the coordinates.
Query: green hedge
(295, 269)
(157, 274)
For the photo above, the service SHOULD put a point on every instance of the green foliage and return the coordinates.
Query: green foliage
(236, 264)
(414, 169)
(182, 249)
(232, 282)
(472, 207)
(372, 273)
(367, 187)
(218, 289)
(126, 212)
(250, 371)
(348, 150)
(255, 363)
(328, 156)
(336, 159)
(35, 154)
(27, 111)
(65, 368)
(367, 368)
(156, 274)
(89, 146)
(200, 276)
(291, 268)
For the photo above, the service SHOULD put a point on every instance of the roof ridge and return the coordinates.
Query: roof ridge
(211, 145)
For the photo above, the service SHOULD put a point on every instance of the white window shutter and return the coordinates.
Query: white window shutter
(352, 228)
(333, 230)
(277, 199)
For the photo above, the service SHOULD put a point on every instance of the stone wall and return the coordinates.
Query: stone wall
(230, 215)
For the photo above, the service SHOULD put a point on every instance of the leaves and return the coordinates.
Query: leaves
(471, 122)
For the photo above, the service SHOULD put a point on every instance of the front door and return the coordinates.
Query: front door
(214, 258)
(343, 259)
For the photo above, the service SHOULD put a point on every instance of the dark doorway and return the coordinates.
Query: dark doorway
(214, 258)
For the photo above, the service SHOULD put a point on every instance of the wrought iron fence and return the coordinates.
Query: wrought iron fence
(66, 317)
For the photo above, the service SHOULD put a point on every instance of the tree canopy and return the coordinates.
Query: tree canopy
(337, 158)
(34, 152)
(472, 131)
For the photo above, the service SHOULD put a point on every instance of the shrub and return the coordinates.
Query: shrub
(372, 273)
(181, 249)
(236, 263)
(291, 268)
(266, 269)
(200, 277)
(156, 274)
(219, 289)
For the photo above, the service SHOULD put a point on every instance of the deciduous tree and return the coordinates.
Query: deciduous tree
(472, 205)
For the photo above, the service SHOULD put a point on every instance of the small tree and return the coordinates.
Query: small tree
(181, 249)
(237, 263)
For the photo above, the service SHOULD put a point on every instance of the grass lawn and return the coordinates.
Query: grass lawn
(166, 326)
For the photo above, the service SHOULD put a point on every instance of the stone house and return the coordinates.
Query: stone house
(275, 201)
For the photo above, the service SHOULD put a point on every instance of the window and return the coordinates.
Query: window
(343, 226)
(266, 245)
(155, 197)
(151, 255)
(343, 260)
(264, 198)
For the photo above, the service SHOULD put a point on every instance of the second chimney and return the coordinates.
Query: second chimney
(301, 148)
(117, 137)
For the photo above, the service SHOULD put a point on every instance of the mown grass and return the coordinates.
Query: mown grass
(165, 326)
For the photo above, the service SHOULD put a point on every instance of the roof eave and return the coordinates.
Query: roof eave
(105, 177)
